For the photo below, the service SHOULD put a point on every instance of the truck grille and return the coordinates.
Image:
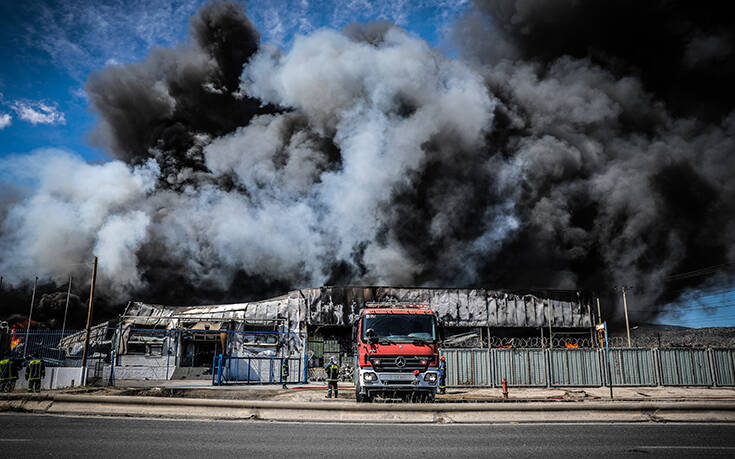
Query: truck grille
(393, 363)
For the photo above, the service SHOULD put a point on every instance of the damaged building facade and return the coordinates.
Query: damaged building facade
(306, 326)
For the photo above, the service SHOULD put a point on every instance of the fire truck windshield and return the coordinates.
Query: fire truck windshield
(399, 328)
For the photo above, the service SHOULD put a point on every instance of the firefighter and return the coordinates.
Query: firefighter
(35, 371)
(7, 381)
(332, 370)
(443, 376)
(284, 371)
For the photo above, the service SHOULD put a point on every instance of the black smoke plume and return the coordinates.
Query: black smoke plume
(169, 106)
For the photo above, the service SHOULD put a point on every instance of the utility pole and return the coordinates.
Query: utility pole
(625, 307)
(30, 315)
(66, 309)
(89, 313)
(599, 314)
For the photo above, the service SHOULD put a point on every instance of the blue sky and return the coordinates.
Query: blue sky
(708, 308)
(51, 46)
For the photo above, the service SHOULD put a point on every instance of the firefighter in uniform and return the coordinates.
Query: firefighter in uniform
(284, 371)
(332, 370)
(443, 376)
(35, 371)
(8, 374)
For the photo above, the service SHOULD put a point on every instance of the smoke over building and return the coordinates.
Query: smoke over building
(561, 149)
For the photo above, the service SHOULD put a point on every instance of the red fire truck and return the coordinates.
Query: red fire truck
(396, 352)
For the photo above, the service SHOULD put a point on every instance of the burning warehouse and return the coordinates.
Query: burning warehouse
(164, 342)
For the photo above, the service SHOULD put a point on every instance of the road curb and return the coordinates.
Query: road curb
(562, 411)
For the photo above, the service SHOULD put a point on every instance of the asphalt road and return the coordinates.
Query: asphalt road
(23, 435)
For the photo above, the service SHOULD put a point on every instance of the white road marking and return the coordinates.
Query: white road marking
(688, 447)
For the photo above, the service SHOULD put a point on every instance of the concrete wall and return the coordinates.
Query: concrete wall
(141, 372)
(56, 378)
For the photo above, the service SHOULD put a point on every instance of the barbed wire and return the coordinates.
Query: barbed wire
(557, 342)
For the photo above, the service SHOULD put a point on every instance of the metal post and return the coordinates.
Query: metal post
(66, 309)
(592, 324)
(551, 335)
(30, 315)
(609, 371)
(168, 349)
(711, 363)
(89, 313)
(214, 379)
(625, 307)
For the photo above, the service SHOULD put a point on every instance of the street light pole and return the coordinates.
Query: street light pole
(66, 309)
(89, 314)
(30, 315)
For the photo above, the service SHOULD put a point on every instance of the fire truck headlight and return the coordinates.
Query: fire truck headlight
(430, 378)
(369, 377)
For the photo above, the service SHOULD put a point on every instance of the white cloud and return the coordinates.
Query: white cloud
(5, 120)
(38, 112)
(79, 34)
(280, 20)
(79, 93)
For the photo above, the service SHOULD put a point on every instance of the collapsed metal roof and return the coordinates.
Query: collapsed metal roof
(340, 306)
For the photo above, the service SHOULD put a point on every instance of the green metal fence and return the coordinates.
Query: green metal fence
(524, 367)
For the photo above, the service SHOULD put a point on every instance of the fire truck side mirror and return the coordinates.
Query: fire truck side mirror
(370, 333)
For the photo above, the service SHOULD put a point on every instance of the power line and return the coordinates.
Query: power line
(710, 323)
(697, 272)
(703, 308)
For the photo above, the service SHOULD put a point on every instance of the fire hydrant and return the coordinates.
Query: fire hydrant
(505, 389)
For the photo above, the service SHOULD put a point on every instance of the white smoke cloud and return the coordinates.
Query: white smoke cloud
(353, 91)
(74, 208)
(383, 162)
(292, 214)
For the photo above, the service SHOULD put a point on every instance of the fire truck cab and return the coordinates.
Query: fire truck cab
(396, 352)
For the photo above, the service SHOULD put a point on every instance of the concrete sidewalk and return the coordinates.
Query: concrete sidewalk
(349, 411)
(315, 391)
(306, 403)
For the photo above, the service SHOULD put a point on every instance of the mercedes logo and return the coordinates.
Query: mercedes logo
(400, 362)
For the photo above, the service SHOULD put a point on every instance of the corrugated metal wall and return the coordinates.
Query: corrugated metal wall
(470, 367)
(632, 367)
(685, 367)
(587, 367)
(724, 363)
(520, 367)
(575, 367)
